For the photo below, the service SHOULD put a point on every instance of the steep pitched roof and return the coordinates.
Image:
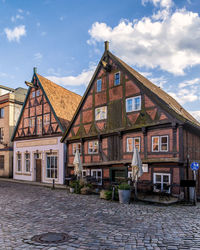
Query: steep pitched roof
(169, 102)
(63, 101)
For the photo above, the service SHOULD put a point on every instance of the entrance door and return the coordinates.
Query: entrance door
(38, 170)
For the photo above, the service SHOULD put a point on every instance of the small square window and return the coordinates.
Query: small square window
(117, 79)
(93, 147)
(133, 142)
(99, 85)
(133, 104)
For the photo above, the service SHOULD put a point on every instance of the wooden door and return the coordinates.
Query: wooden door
(38, 170)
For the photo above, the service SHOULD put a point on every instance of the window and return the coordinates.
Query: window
(27, 162)
(117, 79)
(38, 92)
(19, 162)
(52, 166)
(160, 143)
(76, 146)
(39, 125)
(133, 104)
(97, 174)
(101, 113)
(46, 119)
(162, 182)
(33, 94)
(1, 161)
(93, 147)
(31, 122)
(133, 142)
(99, 85)
(1, 134)
(2, 113)
(85, 172)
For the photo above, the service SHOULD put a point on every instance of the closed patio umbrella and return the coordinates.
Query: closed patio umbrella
(77, 164)
(136, 168)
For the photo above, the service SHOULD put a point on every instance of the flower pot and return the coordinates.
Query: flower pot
(71, 190)
(124, 196)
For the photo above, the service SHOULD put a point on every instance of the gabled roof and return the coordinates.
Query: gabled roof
(170, 104)
(62, 102)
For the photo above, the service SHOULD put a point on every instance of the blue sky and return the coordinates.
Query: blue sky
(64, 39)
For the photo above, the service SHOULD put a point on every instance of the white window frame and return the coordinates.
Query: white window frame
(159, 143)
(102, 117)
(154, 181)
(74, 147)
(93, 142)
(53, 156)
(133, 143)
(19, 160)
(99, 80)
(119, 78)
(98, 179)
(27, 161)
(133, 104)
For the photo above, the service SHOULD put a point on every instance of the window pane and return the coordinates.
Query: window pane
(117, 78)
(137, 103)
(130, 144)
(166, 178)
(164, 139)
(137, 143)
(99, 83)
(129, 104)
(48, 173)
(158, 178)
(164, 147)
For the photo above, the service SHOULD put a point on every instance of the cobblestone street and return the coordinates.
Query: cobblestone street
(92, 223)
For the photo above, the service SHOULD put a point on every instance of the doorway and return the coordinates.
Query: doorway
(38, 167)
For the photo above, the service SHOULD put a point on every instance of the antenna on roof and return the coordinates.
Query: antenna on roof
(106, 45)
(34, 70)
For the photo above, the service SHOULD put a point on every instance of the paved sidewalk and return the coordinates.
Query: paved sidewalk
(92, 223)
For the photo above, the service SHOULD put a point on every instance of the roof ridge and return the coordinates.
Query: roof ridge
(58, 85)
(179, 109)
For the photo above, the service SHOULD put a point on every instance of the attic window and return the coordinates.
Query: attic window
(117, 79)
(99, 85)
(38, 92)
(133, 104)
(33, 94)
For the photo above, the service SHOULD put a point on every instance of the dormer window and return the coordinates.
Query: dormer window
(99, 85)
(117, 79)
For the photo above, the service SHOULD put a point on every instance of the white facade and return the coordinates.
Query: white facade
(51, 152)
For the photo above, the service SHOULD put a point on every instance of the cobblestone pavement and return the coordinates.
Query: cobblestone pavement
(92, 223)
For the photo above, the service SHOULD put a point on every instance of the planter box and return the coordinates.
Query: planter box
(124, 196)
(71, 190)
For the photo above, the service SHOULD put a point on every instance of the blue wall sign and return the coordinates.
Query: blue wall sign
(194, 166)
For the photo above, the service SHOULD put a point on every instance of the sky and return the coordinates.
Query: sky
(64, 39)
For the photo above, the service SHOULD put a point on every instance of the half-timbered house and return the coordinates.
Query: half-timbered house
(47, 111)
(122, 109)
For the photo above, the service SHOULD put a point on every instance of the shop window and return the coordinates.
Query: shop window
(162, 182)
(52, 166)
(27, 162)
(97, 174)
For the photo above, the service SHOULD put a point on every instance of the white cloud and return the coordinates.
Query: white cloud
(185, 95)
(43, 33)
(159, 81)
(82, 79)
(38, 56)
(189, 83)
(16, 33)
(169, 41)
(17, 17)
(20, 10)
(160, 3)
(196, 114)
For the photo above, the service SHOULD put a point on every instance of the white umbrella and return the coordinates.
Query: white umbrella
(136, 168)
(77, 164)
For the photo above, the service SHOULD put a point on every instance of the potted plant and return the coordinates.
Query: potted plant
(72, 186)
(124, 191)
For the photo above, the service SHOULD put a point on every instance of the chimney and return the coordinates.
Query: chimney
(106, 45)
(34, 70)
